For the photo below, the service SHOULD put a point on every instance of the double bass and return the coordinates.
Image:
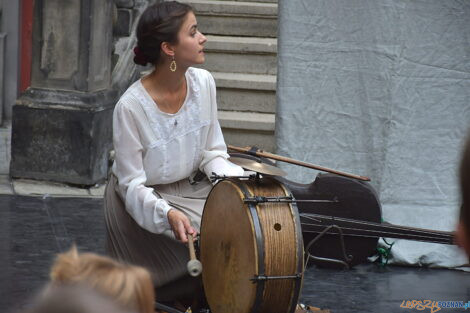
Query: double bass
(340, 214)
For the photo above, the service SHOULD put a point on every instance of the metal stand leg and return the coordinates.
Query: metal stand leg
(344, 262)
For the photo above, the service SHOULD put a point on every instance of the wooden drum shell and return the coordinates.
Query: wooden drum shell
(240, 241)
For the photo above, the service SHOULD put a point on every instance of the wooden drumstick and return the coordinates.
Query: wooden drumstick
(194, 266)
(272, 156)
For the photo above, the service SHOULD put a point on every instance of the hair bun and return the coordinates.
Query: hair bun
(139, 57)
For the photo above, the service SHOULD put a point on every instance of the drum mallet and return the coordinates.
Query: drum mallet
(194, 266)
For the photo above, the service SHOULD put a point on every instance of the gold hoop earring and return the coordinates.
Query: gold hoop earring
(173, 65)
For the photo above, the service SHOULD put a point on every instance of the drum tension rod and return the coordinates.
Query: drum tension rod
(214, 177)
(261, 199)
(258, 278)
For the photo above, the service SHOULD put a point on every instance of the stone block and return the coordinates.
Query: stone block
(63, 137)
(29, 187)
(248, 129)
(267, 1)
(237, 26)
(72, 42)
(247, 120)
(5, 141)
(242, 138)
(123, 26)
(254, 45)
(247, 8)
(236, 18)
(246, 100)
(241, 63)
(128, 4)
(245, 81)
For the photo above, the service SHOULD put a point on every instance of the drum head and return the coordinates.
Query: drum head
(228, 251)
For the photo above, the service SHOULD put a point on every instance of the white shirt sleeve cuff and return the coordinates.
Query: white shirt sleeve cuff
(162, 218)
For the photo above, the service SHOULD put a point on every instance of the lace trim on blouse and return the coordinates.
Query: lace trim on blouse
(161, 123)
(189, 119)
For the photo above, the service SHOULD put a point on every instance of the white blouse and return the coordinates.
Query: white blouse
(153, 147)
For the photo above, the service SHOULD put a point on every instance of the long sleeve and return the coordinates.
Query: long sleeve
(142, 203)
(214, 158)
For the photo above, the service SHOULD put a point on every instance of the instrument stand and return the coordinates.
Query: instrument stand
(347, 258)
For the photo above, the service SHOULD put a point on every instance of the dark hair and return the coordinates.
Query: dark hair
(159, 23)
(465, 187)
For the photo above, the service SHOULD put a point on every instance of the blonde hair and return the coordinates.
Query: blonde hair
(131, 286)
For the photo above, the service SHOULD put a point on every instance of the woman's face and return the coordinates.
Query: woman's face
(190, 46)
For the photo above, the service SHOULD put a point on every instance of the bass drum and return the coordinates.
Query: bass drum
(251, 253)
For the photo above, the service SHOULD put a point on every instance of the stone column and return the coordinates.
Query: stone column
(2, 58)
(62, 125)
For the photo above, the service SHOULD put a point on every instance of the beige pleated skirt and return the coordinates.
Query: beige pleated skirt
(164, 256)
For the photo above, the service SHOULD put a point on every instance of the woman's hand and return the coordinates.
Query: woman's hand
(180, 225)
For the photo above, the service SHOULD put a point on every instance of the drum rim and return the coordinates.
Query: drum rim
(260, 246)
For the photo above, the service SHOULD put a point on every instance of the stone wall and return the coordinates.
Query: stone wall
(61, 125)
(82, 62)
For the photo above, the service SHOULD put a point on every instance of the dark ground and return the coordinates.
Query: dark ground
(33, 230)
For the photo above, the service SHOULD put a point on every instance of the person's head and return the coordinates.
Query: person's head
(463, 230)
(168, 31)
(130, 286)
(72, 299)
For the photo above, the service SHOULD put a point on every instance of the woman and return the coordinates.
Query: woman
(165, 130)
(129, 286)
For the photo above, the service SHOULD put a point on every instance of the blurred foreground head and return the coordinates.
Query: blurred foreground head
(130, 286)
(73, 299)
